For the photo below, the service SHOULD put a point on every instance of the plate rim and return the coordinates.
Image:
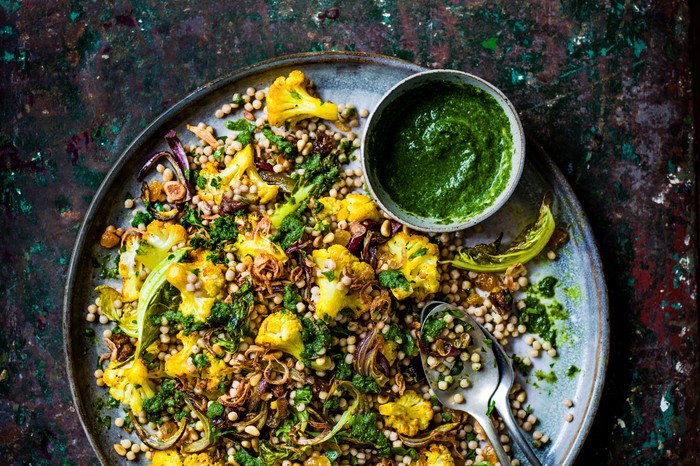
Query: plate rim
(543, 161)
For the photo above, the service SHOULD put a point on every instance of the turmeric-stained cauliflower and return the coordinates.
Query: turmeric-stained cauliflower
(146, 250)
(289, 100)
(166, 458)
(201, 459)
(212, 183)
(437, 455)
(178, 364)
(197, 300)
(353, 208)
(129, 383)
(334, 295)
(412, 262)
(284, 331)
(173, 458)
(408, 414)
(255, 243)
(281, 331)
(181, 364)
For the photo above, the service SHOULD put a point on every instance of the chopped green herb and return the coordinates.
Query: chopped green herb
(215, 409)
(546, 286)
(394, 279)
(550, 377)
(572, 371)
(244, 128)
(141, 218)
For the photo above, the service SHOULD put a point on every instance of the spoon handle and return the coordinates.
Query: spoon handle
(515, 432)
(493, 438)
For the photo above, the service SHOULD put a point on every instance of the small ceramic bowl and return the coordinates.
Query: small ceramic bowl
(386, 112)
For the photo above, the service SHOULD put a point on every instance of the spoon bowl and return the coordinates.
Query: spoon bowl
(475, 399)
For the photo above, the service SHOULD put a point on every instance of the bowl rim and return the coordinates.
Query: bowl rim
(517, 157)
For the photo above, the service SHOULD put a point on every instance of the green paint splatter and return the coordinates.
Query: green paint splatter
(91, 178)
(10, 6)
(62, 204)
(21, 415)
(572, 71)
(628, 154)
(490, 44)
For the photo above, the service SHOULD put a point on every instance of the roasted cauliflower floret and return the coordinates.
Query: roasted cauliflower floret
(255, 243)
(412, 262)
(181, 363)
(129, 383)
(146, 250)
(284, 331)
(290, 100)
(212, 183)
(437, 455)
(178, 364)
(166, 458)
(354, 208)
(173, 458)
(201, 459)
(130, 269)
(408, 414)
(334, 295)
(157, 243)
(197, 299)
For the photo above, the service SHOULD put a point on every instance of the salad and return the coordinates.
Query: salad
(266, 311)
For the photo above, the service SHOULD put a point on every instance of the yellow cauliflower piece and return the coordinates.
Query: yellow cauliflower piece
(146, 250)
(179, 365)
(281, 331)
(197, 302)
(201, 459)
(254, 244)
(130, 269)
(416, 258)
(130, 383)
(173, 458)
(166, 458)
(334, 296)
(354, 208)
(437, 455)
(214, 183)
(158, 241)
(408, 414)
(290, 100)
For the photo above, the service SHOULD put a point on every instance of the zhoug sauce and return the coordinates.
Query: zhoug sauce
(447, 153)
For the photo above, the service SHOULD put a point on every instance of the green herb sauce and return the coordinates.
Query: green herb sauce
(546, 286)
(447, 155)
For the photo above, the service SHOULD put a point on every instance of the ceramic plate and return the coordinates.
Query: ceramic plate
(362, 79)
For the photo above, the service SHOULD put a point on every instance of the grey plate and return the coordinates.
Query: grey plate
(361, 79)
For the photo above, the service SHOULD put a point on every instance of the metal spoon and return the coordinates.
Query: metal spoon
(474, 401)
(500, 398)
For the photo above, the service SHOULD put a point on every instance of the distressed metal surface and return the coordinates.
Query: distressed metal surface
(605, 86)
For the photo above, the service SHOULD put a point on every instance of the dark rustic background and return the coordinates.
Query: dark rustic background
(606, 86)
